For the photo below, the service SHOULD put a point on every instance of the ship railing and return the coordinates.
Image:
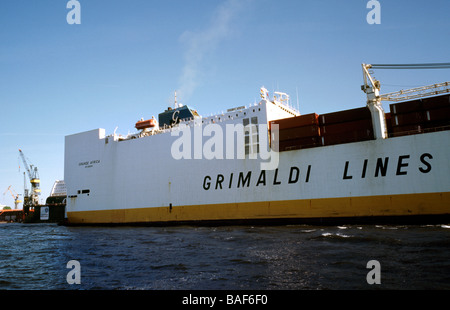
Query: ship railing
(419, 130)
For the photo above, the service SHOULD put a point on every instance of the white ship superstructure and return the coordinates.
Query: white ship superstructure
(58, 189)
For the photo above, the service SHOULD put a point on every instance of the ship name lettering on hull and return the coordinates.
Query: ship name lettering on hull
(89, 164)
(380, 167)
(263, 178)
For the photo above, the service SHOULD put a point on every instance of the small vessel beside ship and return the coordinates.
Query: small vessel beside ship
(53, 211)
(267, 163)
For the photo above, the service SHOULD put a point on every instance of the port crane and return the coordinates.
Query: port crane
(14, 195)
(31, 199)
(372, 88)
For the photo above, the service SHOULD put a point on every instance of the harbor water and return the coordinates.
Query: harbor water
(292, 257)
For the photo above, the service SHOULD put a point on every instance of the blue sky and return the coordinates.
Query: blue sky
(126, 59)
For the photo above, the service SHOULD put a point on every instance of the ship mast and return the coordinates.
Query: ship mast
(372, 89)
(175, 103)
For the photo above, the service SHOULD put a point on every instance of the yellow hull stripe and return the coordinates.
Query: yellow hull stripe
(388, 205)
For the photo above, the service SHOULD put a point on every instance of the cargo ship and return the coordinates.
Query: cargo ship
(267, 163)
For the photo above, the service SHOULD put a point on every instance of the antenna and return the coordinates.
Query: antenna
(176, 105)
(296, 90)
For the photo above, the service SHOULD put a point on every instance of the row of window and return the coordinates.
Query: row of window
(229, 116)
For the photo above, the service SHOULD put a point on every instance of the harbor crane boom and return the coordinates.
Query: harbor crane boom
(33, 175)
(372, 88)
(14, 195)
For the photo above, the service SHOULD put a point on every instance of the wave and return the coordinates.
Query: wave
(336, 235)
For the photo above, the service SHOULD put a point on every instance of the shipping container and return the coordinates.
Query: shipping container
(307, 119)
(388, 123)
(411, 118)
(296, 144)
(359, 125)
(407, 130)
(436, 102)
(406, 107)
(297, 121)
(345, 116)
(437, 125)
(299, 132)
(437, 114)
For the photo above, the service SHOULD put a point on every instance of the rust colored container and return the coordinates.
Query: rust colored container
(299, 132)
(388, 122)
(437, 114)
(407, 130)
(344, 116)
(436, 102)
(341, 128)
(412, 118)
(437, 125)
(296, 144)
(297, 121)
(308, 119)
(406, 107)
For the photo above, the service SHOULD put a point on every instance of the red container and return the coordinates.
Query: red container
(407, 119)
(388, 122)
(296, 144)
(406, 107)
(284, 123)
(344, 116)
(308, 119)
(436, 102)
(407, 130)
(297, 121)
(437, 125)
(340, 128)
(299, 132)
(437, 114)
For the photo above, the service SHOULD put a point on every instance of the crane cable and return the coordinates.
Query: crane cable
(442, 65)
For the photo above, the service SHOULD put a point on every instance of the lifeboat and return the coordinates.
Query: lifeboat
(145, 124)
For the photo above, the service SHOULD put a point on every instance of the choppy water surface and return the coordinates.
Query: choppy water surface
(34, 256)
